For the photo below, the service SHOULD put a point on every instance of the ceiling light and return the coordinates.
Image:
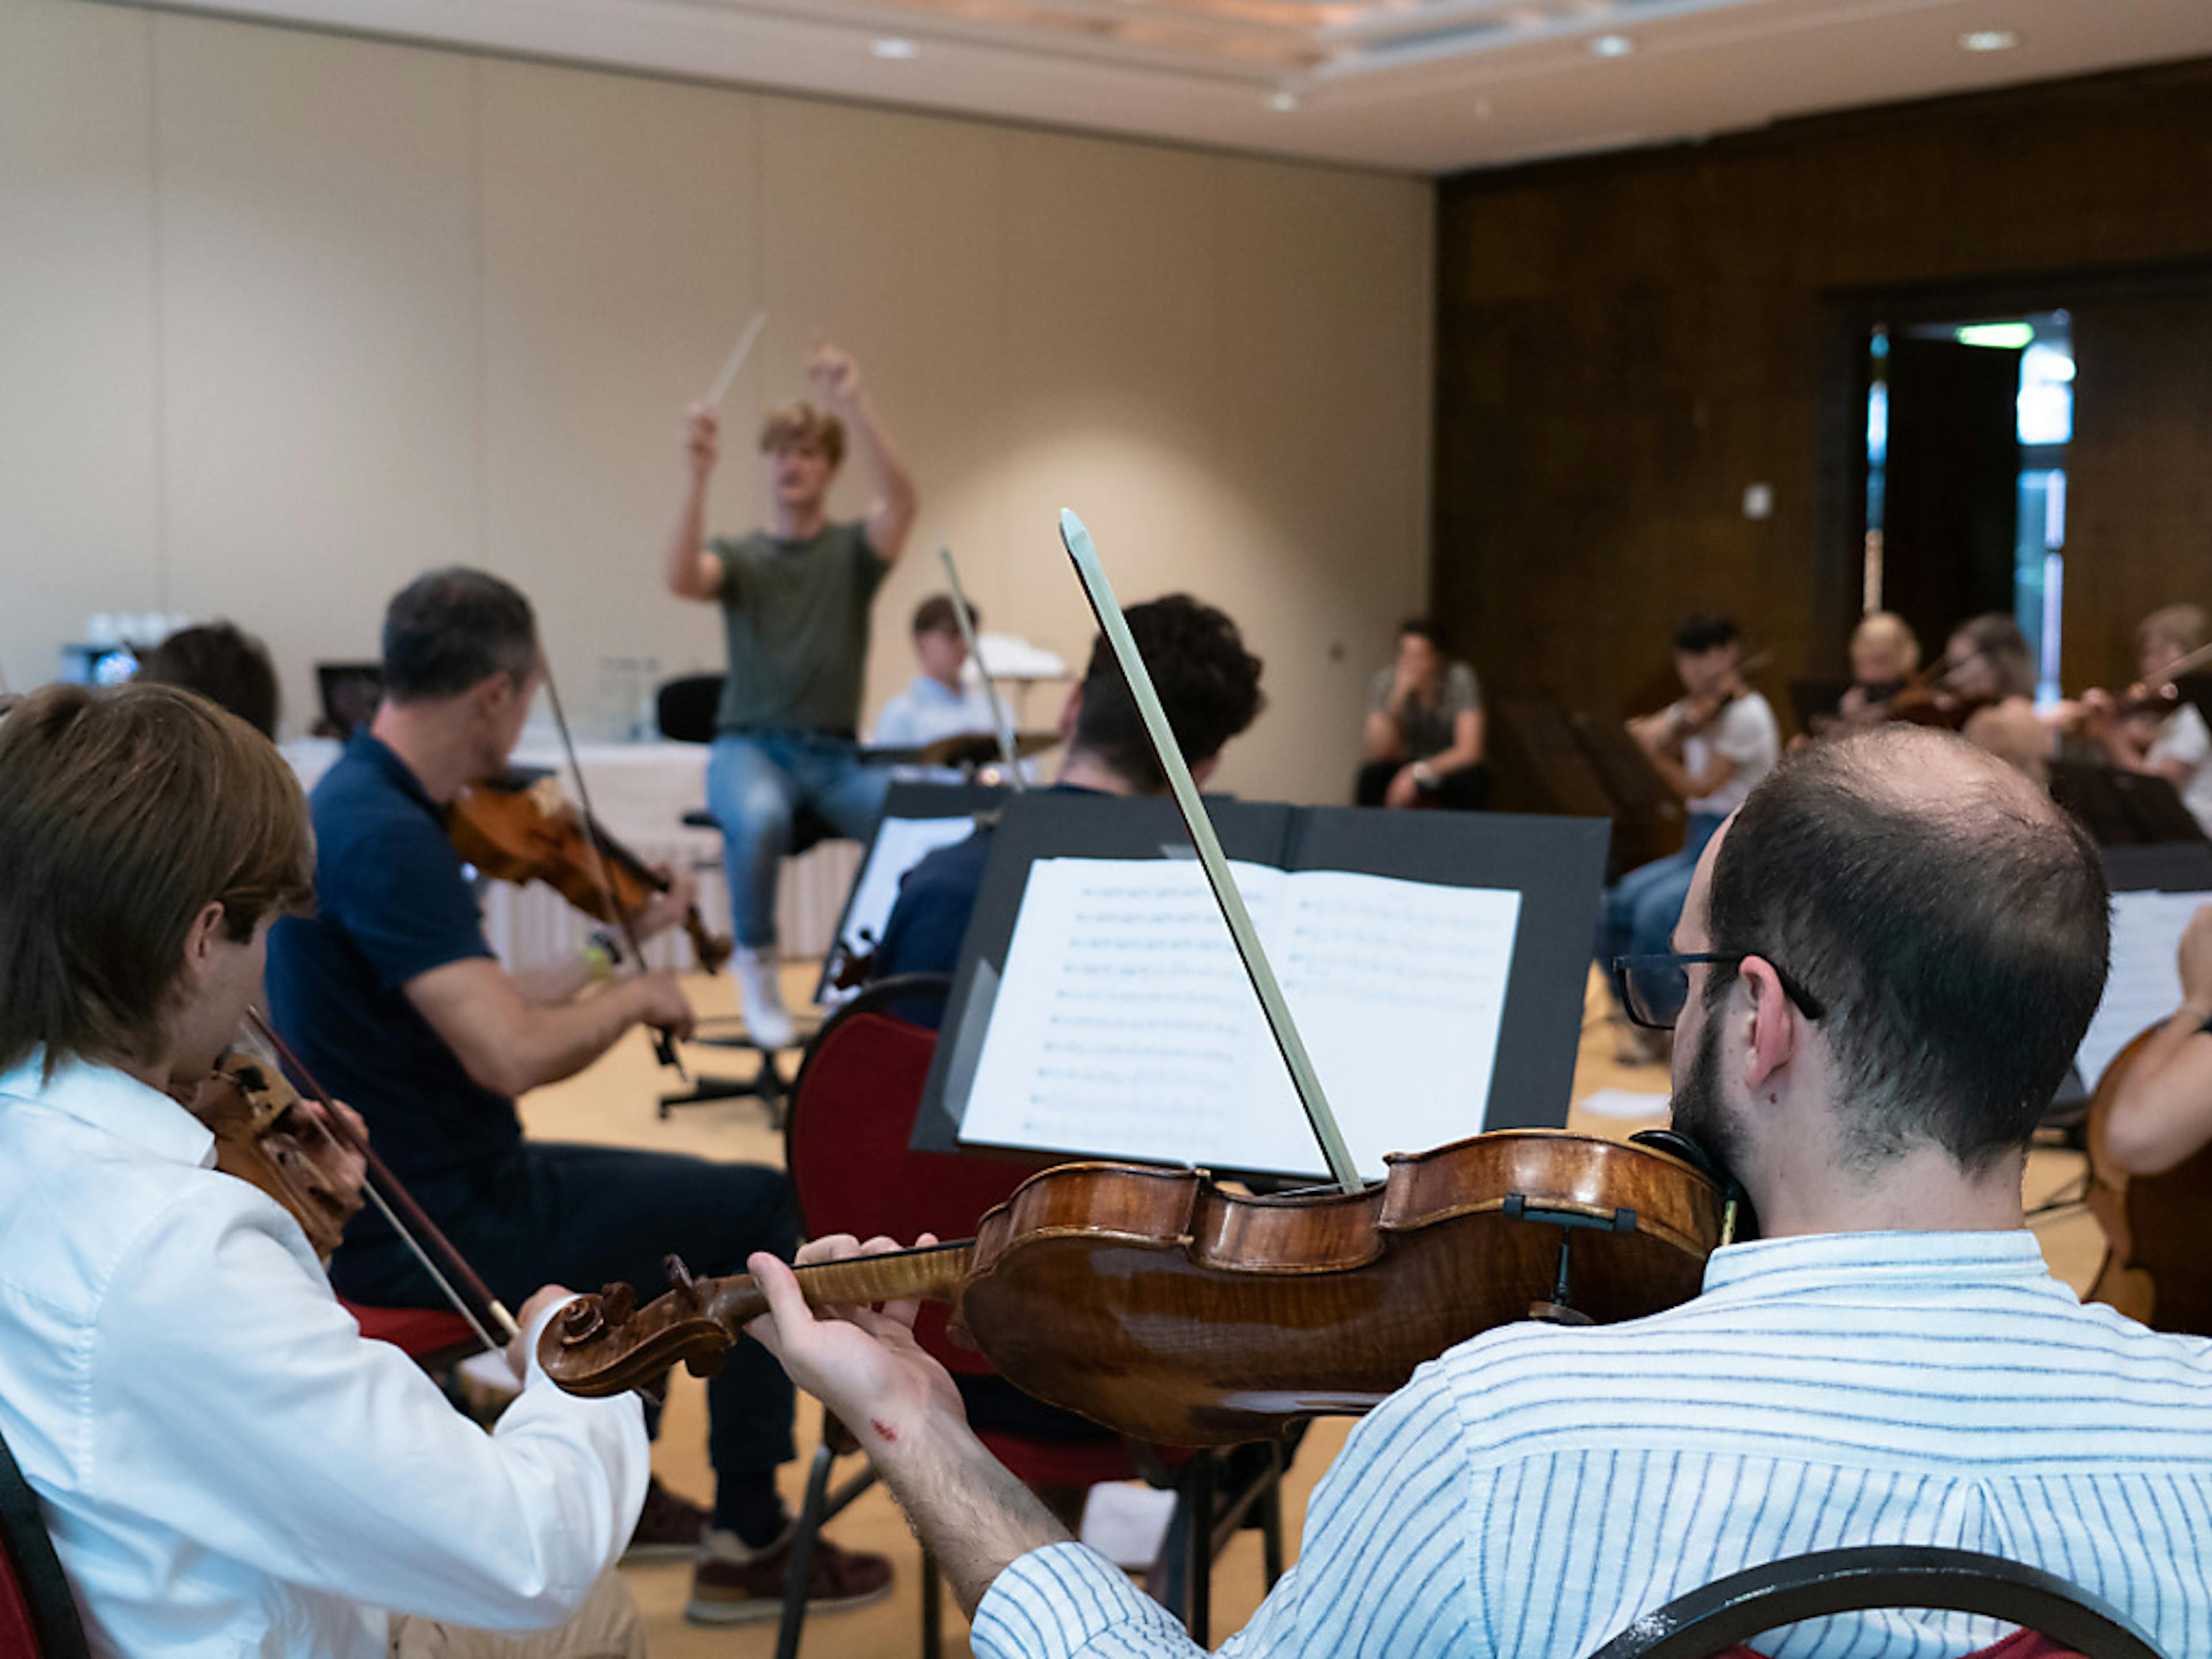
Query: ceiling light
(2004, 336)
(896, 50)
(1989, 40)
(1612, 46)
(1283, 100)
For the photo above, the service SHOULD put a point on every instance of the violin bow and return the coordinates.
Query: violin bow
(417, 1232)
(1115, 628)
(663, 1046)
(998, 723)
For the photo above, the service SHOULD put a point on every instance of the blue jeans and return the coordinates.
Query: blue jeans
(1637, 916)
(757, 783)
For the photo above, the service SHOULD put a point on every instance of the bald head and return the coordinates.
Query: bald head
(1950, 920)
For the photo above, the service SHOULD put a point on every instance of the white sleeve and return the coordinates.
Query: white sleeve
(1747, 733)
(894, 724)
(235, 1401)
(2183, 738)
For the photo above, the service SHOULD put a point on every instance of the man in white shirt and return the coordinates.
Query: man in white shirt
(940, 704)
(1890, 1362)
(226, 1466)
(1712, 746)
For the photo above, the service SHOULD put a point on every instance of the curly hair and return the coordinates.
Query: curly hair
(1208, 683)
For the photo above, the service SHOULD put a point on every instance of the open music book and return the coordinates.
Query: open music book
(2145, 986)
(1125, 1027)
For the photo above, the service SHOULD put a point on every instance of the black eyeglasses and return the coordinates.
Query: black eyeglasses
(1654, 988)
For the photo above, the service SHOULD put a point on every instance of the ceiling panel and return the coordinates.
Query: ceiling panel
(1425, 86)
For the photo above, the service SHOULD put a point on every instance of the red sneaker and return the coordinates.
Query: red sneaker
(733, 1585)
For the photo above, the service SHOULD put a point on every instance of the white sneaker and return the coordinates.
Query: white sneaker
(760, 994)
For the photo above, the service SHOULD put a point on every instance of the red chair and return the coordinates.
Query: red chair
(2057, 1620)
(432, 1337)
(845, 1147)
(38, 1615)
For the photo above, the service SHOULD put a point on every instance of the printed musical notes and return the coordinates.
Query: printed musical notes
(1124, 1026)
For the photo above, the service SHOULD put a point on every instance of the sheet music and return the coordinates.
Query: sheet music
(1125, 1025)
(900, 844)
(2145, 986)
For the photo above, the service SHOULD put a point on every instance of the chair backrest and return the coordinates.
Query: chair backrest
(845, 1140)
(38, 1615)
(684, 708)
(2057, 1620)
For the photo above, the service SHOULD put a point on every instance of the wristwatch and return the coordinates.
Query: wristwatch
(602, 954)
(1424, 774)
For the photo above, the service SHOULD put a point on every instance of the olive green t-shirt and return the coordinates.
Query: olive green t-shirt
(796, 615)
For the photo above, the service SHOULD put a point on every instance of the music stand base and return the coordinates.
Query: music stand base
(768, 1084)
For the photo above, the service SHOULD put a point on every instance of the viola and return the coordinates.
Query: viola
(1166, 1307)
(1696, 715)
(264, 1136)
(525, 831)
(2156, 1269)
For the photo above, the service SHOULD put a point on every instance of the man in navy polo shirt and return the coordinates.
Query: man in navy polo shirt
(391, 996)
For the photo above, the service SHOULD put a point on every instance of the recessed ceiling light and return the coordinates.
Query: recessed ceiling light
(1612, 46)
(1989, 40)
(1283, 100)
(896, 49)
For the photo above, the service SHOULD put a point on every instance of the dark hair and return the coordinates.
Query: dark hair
(935, 615)
(1208, 683)
(222, 663)
(1700, 633)
(1424, 628)
(1953, 922)
(1997, 640)
(453, 628)
(124, 813)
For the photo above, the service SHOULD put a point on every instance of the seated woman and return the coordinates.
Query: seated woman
(1988, 675)
(2169, 742)
(1423, 741)
(2162, 1114)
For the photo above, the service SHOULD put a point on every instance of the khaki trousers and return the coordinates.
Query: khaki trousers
(605, 1627)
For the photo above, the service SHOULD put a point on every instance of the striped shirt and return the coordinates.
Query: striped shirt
(1538, 1488)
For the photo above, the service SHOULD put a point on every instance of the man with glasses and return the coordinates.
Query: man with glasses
(1884, 965)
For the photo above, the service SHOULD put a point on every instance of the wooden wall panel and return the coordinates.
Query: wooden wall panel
(1625, 342)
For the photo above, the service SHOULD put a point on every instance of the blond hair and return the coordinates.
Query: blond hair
(1887, 629)
(803, 423)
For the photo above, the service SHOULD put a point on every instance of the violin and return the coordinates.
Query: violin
(264, 1137)
(2156, 1269)
(1695, 716)
(525, 831)
(1165, 1307)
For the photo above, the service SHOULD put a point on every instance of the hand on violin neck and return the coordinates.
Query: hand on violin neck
(346, 1165)
(864, 1365)
(862, 1362)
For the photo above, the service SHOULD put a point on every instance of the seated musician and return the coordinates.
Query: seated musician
(222, 663)
(1209, 684)
(2161, 1116)
(2172, 743)
(795, 602)
(1422, 743)
(1885, 655)
(224, 1463)
(390, 995)
(1890, 1362)
(940, 704)
(1712, 746)
(1988, 675)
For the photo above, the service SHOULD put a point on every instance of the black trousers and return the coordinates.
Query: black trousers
(586, 1216)
(1466, 789)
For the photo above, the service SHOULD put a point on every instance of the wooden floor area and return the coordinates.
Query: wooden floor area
(614, 1102)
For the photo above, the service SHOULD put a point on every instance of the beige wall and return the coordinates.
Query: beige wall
(286, 318)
